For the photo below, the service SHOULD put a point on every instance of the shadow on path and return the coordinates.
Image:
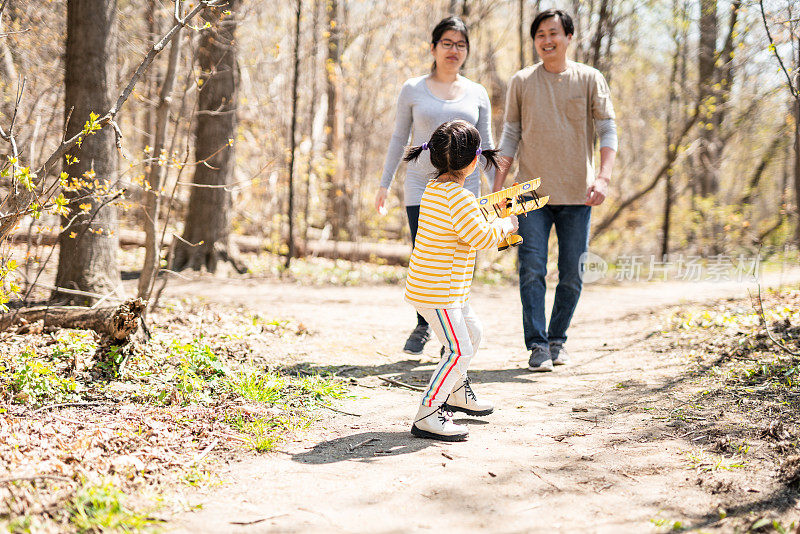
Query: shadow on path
(364, 446)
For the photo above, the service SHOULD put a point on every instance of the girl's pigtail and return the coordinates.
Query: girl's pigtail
(413, 152)
(491, 156)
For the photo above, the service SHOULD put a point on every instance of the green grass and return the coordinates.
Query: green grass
(293, 395)
(266, 432)
(34, 380)
(267, 387)
(674, 526)
(100, 508)
(318, 388)
(704, 461)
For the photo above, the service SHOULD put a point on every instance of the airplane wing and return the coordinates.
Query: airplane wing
(522, 196)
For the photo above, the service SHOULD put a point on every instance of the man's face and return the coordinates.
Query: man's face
(550, 41)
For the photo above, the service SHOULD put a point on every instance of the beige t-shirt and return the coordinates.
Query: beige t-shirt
(556, 113)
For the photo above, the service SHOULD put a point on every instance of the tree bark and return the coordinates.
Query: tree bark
(7, 68)
(597, 40)
(752, 184)
(708, 151)
(88, 246)
(117, 323)
(312, 109)
(292, 130)
(672, 102)
(207, 218)
(797, 158)
(521, 29)
(336, 211)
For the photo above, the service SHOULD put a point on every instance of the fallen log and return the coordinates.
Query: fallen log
(117, 323)
(386, 252)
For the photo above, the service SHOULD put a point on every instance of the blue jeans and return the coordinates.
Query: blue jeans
(413, 224)
(572, 231)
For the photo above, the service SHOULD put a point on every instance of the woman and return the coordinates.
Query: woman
(424, 103)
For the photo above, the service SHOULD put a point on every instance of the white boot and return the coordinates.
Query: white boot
(463, 399)
(436, 423)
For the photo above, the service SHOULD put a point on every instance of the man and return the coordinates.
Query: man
(553, 110)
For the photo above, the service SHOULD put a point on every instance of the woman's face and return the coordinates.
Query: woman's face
(450, 51)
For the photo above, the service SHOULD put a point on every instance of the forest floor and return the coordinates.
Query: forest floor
(678, 413)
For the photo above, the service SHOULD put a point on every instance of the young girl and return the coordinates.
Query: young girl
(451, 228)
(424, 103)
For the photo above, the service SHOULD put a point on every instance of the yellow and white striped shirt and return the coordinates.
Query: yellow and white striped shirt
(451, 228)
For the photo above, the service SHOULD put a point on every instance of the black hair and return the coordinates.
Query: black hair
(446, 24)
(453, 146)
(563, 17)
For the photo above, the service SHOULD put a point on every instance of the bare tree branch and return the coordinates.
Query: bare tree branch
(19, 201)
(792, 88)
(672, 155)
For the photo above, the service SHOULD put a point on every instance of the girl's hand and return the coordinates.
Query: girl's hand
(515, 222)
(380, 200)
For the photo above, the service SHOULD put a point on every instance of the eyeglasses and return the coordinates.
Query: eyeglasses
(448, 45)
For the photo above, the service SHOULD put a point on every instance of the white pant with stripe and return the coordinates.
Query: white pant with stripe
(459, 330)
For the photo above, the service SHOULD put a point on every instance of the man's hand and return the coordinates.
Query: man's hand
(597, 192)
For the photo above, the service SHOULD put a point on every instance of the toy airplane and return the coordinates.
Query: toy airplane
(515, 200)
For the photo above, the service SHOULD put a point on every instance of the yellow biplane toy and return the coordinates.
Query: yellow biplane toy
(518, 199)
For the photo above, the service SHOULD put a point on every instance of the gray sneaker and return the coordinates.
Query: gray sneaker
(558, 353)
(416, 341)
(540, 360)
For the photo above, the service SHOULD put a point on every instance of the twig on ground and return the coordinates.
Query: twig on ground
(766, 326)
(64, 404)
(365, 442)
(230, 436)
(255, 521)
(545, 480)
(72, 421)
(331, 408)
(399, 384)
(626, 475)
(34, 477)
(204, 453)
(595, 421)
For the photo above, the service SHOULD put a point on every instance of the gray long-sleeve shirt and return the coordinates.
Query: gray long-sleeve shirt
(419, 113)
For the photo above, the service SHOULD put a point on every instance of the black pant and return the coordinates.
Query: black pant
(413, 224)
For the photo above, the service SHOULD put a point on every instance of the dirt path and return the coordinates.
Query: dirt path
(577, 450)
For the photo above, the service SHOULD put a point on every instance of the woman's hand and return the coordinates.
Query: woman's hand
(380, 200)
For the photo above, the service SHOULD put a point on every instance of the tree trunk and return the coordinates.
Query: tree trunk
(158, 171)
(292, 130)
(152, 81)
(708, 151)
(752, 184)
(336, 212)
(7, 68)
(797, 166)
(312, 109)
(537, 5)
(672, 102)
(597, 40)
(88, 245)
(521, 29)
(797, 158)
(207, 218)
